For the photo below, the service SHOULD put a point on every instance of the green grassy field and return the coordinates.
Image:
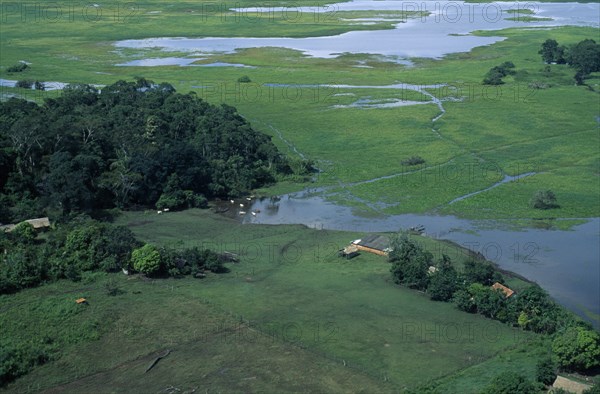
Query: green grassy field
(486, 132)
(291, 316)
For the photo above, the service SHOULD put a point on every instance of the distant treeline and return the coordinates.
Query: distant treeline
(130, 144)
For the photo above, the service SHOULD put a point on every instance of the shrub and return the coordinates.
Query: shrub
(577, 349)
(444, 282)
(112, 287)
(544, 199)
(244, 79)
(16, 361)
(23, 233)
(479, 272)
(17, 68)
(495, 74)
(413, 161)
(546, 371)
(409, 263)
(510, 383)
(464, 301)
(24, 83)
(146, 259)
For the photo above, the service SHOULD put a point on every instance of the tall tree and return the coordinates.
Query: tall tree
(551, 52)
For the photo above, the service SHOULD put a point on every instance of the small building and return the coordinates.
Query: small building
(377, 244)
(349, 251)
(39, 223)
(432, 270)
(507, 292)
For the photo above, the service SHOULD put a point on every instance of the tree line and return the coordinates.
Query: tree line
(129, 144)
(82, 245)
(70, 251)
(583, 56)
(575, 344)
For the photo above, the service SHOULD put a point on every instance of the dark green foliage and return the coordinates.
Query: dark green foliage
(531, 309)
(577, 348)
(98, 245)
(444, 282)
(546, 370)
(69, 250)
(413, 161)
(579, 77)
(244, 79)
(479, 272)
(39, 85)
(511, 383)
(16, 361)
(191, 261)
(135, 143)
(488, 302)
(464, 301)
(584, 56)
(84, 245)
(541, 314)
(23, 233)
(552, 53)
(24, 84)
(174, 198)
(410, 263)
(495, 74)
(17, 68)
(544, 199)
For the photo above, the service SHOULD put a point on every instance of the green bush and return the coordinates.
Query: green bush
(410, 263)
(479, 272)
(146, 259)
(577, 348)
(544, 199)
(17, 68)
(16, 361)
(444, 282)
(24, 84)
(511, 383)
(413, 161)
(23, 233)
(546, 371)
(495, 74)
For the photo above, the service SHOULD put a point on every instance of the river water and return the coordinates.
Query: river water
(565, 263)
(445, 30)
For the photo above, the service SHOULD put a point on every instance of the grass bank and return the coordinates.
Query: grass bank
(292, 316)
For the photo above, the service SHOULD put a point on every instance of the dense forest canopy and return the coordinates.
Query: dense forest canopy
(131, 143)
